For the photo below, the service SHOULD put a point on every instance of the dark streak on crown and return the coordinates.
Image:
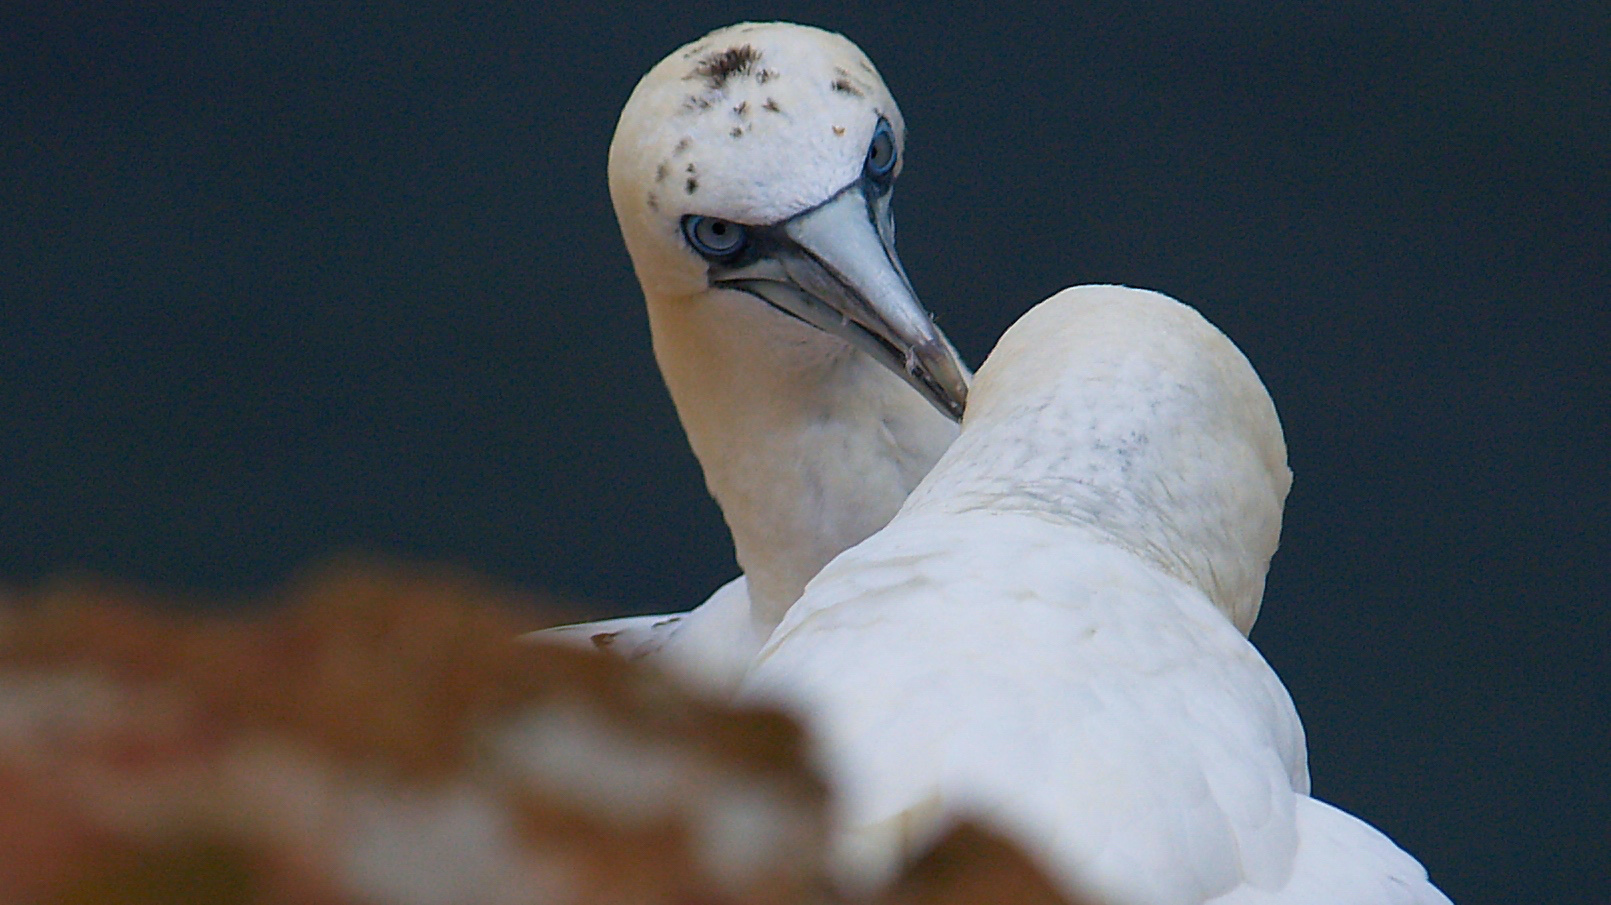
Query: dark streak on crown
(718, 67)
(843, 84)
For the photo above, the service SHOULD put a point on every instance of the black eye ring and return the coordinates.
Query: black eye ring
(881, 152)
(716, 240)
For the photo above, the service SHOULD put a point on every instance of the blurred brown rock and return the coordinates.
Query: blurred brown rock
(969, 865)
(381, 738)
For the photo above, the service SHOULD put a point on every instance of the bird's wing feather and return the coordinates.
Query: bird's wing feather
(629, 637)
(710, 645)
(1345, 860)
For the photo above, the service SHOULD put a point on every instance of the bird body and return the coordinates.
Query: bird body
(1050, 633)
(1000, 664)
(751, 173)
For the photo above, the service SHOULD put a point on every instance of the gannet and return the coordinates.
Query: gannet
(1048, 634)
(751, 173)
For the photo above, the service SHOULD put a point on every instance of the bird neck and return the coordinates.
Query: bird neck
(808, 445)
(1205, 511)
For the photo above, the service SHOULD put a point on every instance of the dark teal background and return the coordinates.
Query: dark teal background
(282, 280)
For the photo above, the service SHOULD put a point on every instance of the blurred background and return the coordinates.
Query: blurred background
(283, 280)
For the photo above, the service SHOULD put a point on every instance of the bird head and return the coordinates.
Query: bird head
(761, 160)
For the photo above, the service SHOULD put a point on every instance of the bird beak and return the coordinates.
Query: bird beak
(835, 268)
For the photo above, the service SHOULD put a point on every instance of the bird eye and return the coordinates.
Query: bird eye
(881, 151)
(718, 240)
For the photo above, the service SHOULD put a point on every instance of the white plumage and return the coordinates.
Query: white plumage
(1050, 632)
(814, 387)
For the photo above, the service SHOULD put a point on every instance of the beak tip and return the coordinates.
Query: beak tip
(936, 365)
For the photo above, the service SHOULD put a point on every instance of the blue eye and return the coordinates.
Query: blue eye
(718, 240)
(881, 154)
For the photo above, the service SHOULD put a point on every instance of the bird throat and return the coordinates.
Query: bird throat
(807, 444)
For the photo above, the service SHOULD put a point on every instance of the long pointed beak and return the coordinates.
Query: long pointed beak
(835, 268)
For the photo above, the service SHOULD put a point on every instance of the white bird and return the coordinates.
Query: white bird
(751, 172)
(1049, 634)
